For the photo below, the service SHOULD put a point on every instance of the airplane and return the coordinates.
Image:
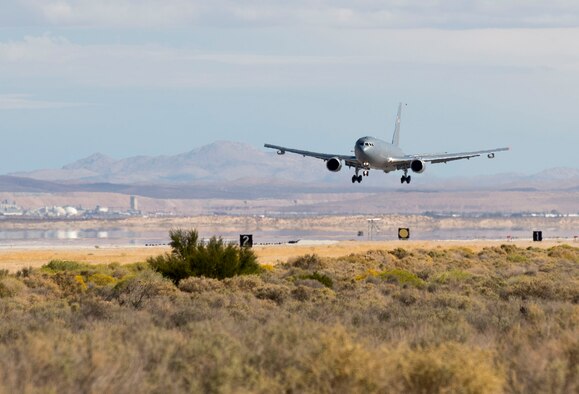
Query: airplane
(373, 153)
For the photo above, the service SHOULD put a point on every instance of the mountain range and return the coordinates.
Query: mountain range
(218, 162)
(235, 167)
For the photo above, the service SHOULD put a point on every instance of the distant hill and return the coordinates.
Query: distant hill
(217, 162)
(238, 168)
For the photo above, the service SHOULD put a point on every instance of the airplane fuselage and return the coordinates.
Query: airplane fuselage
(375, 153)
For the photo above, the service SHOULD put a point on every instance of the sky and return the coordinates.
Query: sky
(162, 77)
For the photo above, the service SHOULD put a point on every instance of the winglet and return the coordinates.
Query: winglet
(396, 135)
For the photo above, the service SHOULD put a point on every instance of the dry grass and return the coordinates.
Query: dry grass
(461, 319)
(15, 259)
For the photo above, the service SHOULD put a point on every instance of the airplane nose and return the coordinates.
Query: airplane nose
(360, 151)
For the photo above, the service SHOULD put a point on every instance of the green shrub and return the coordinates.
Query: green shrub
(193, 257)
(453, 276)
(63, 265)
(402, 277)
(322, 278)
(101, 279)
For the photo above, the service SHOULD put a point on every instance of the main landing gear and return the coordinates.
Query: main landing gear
(358, 178)
(405, 178)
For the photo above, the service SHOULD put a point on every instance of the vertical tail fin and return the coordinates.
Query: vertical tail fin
(396, 135)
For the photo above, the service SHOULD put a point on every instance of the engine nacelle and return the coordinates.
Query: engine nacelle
(418, 166)
(334, 164)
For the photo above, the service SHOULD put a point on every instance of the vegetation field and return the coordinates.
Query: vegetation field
(418, 319)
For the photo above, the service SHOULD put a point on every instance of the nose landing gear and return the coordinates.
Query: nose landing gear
(357, 177)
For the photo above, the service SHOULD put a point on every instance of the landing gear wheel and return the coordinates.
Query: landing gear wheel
(354, 178)
(359, 178)
(402, 179)
(408, 178)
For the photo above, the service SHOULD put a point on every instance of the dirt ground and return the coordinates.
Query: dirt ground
(14, 259)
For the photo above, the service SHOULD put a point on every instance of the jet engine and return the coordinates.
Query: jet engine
(418, 166)
(334, 164)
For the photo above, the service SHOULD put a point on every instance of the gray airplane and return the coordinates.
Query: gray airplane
(373, 153)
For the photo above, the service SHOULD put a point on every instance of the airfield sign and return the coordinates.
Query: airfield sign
(246, 240)
(403, 233)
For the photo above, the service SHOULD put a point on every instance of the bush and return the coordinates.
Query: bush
(137, 290)
(99, 279)
(452, 276)
(63, 265)
(69, 283)
(402, 277)
(9, 287)
(193, 257)
(450, 368)
(275, 293)
(322, 278)
(308, 262)
(245, 283)
(400, 253)
(199, 285)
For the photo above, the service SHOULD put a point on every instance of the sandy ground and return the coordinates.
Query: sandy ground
(14, 259)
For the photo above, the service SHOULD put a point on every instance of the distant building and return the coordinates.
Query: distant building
(9, 208)
(134, 203)
(100, 209)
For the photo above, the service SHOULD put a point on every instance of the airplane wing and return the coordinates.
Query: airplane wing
(444, 157)
(350, 161)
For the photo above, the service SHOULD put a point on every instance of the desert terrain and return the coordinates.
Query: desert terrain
(383, 316)
(140, 238)
(14, 259)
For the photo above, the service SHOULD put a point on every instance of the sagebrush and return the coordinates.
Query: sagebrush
(432, 321)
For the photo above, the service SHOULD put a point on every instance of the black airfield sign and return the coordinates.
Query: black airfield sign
(246, 240)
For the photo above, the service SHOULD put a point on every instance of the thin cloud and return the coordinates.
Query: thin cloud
(453, 14)
(356, 56)
(25, 101)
